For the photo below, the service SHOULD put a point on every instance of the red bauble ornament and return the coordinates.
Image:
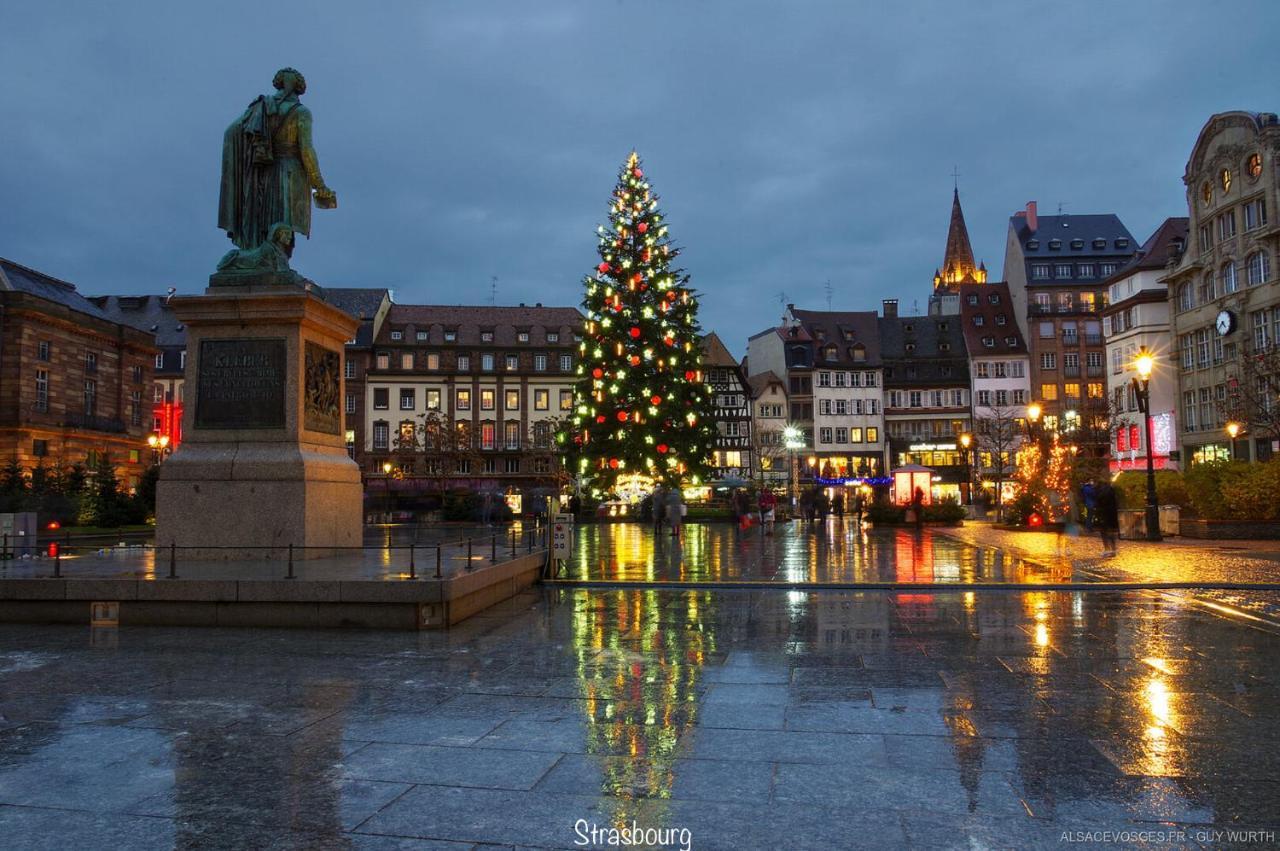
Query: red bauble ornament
(670, 341)
(603, 268)
(637, 172)
(635, 360)
(662, 447)
(622, 416)
(635, 333)
(597, 373)
(657, 400)
(671, 295)
(613, 462)
(642, 227)
(690, 375)
(600, 418)
(644, 255)
(637, 278)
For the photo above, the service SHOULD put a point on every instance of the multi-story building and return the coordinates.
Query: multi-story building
(848, 417)
(1055, 266)
(732, 456)
(787, 351)
(926, 395)
(74, 382)
(1224, 294)
(768, 420)
(370, 306)
(468, 398)
(999, 379)
(152, 315)
(1137, 320)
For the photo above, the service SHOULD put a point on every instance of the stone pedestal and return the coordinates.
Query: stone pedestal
(263, 460)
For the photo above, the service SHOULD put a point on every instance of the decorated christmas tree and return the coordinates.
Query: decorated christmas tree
(642, 409)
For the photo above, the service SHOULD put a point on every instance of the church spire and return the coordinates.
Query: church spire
(957, 264)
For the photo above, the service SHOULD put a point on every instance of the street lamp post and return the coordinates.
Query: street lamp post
(965, 440)
(159, 444)
(793, 439)
(1233, 431)
(1144, 363)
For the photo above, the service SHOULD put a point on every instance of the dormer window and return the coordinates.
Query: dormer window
(1122, 243)
(553, 336)
(1001, 319)
(486, 336)
(942, 326)
(1011, 342)
(972, 299)
(858, 352)
(989, 342)
(944, 347)
(994, 298)
(422, 336)
(1033, 245)
(522, 336)
(451, 335)
(848, 335)
(1055, 245)
(909, 328)
(1077, 244)
(1099, 244)
(397, 335)
(978, 320)
(830, 353)
(910, 347)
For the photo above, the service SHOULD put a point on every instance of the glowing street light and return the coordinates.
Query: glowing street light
(1144, 363)
(1233, 431)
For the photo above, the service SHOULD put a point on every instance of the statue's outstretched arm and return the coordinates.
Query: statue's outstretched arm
(308, 153)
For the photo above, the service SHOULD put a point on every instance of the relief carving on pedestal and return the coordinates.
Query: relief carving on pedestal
(321, 389)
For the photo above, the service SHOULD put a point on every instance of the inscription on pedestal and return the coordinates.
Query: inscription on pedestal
(322, 386)
(241, 384)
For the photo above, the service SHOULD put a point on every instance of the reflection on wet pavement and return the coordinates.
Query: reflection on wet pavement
(770, 718)
(837, 552)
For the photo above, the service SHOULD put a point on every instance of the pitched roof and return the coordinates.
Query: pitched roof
(149, 313)
(15, 277)
(1106, 227)
(714, 352)
(468, 320)
(360, 302)
(1155, 253)
(935, 341)
(842, 329)
(761, 382)
(989, 312)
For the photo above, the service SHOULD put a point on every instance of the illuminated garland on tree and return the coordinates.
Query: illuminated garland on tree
(641, 403)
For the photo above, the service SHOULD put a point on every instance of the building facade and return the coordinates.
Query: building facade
(467, 398)
(769, 409)
(1055, 267)
(732, 457)
(74, 382)
(1137, 319)
(926, 396)
(370, 306)
(999, 382)
(152, 315)
(1223, 292)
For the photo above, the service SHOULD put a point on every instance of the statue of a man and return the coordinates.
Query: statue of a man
(269, 168)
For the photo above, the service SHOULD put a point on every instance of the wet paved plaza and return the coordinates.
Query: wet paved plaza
(754, 719)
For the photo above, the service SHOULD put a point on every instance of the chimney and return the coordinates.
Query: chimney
(890, 306)
(1031, 217)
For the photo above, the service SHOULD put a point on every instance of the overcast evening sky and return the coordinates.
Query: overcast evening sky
(791, 143)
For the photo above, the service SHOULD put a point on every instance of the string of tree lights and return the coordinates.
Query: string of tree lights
(642, 408)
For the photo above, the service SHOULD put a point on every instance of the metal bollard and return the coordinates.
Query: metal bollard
(173, 560)
(513, 542)
(468, 553)
(493, 557)
(413, 569)
(437, 561)
(290, 576)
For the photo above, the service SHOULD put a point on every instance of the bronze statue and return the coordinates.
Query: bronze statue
(270, 256)
(269, 168)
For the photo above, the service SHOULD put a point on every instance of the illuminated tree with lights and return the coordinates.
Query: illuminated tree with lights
(641, 404)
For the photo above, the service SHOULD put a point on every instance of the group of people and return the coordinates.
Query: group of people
(1095, 507)
(666, 507)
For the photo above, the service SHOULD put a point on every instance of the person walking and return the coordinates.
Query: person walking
(1089, 499)
(859, 505)
(768, 504)
(675, 512)
(659, 508)
(917, 507)
(837, 505)
(1106, 517)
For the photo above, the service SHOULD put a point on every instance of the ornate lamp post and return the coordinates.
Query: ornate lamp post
(159, 444)
(1033, 419)
(1144, 363)
(965, 440)
(793, 439)
(1233, 431)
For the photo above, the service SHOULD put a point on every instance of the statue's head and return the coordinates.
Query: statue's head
(290, 79)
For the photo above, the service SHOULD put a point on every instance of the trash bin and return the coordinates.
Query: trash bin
(1169, 515)
(1133, 523)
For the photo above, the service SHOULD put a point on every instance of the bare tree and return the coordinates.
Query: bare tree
(770, 453)
(999, 434)
(1253, 392)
